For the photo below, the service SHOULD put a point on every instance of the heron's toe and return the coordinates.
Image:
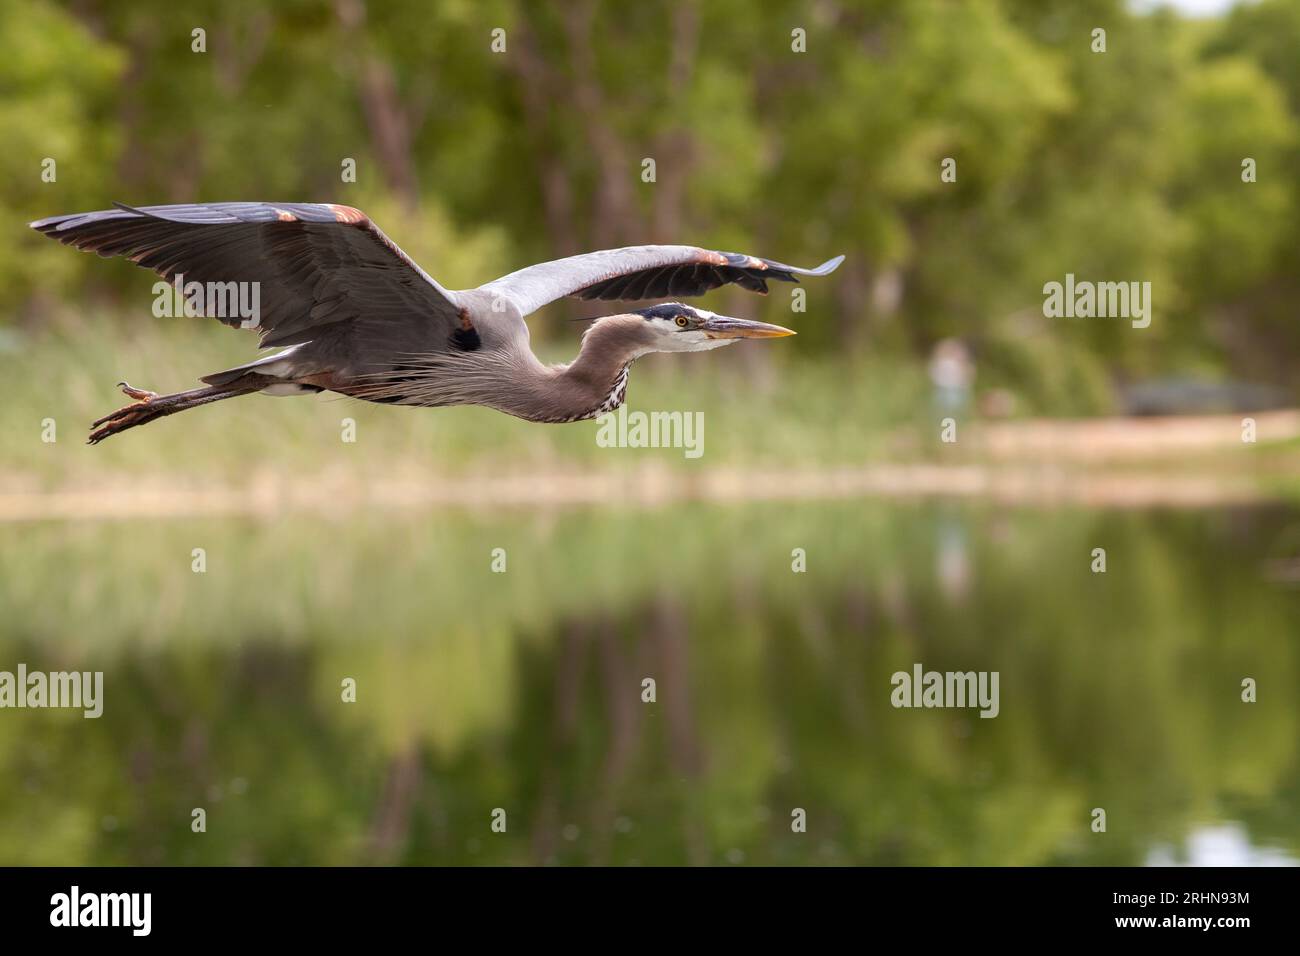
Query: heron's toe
(139, 394)
(126, 411)
(126, 417)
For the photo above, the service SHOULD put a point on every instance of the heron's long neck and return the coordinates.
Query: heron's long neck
(593, 383)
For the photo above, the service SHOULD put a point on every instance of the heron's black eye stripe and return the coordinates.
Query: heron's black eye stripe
(666, 310)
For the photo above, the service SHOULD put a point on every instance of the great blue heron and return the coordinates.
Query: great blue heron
(360, 318)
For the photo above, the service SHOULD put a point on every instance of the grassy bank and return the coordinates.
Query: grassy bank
(774, 424)
(757, 408)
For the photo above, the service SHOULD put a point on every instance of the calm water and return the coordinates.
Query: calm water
(522, 691)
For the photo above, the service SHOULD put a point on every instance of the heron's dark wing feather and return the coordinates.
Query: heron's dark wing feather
(643, 272)
(317, 265)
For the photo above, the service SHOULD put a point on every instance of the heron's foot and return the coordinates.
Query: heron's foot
(139, 394)
(122, 419)
(143, 410)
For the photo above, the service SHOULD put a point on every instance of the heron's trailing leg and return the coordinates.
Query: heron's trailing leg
(151, 405)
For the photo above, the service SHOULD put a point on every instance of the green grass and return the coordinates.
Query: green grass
(774, 409)
(765, 407)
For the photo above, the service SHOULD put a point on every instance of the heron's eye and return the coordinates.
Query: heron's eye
(681, 321)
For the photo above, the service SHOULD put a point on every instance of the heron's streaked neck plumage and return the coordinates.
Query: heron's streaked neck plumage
(610, 345)
(594, 382)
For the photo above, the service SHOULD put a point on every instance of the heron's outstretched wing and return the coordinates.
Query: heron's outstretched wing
(642, 272)
(317, 265)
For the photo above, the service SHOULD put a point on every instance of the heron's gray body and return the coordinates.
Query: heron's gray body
(355, 315)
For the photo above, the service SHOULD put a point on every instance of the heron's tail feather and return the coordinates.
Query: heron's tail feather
(151, 406)
(280, 365)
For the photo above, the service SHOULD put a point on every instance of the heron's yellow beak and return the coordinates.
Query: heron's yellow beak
(724, 327)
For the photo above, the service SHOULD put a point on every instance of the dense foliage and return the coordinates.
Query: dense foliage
(1122, 165)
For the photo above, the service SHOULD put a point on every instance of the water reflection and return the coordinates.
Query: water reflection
(526, 692)
(1226, 844)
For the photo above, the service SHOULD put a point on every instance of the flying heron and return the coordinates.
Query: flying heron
(356, 315)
